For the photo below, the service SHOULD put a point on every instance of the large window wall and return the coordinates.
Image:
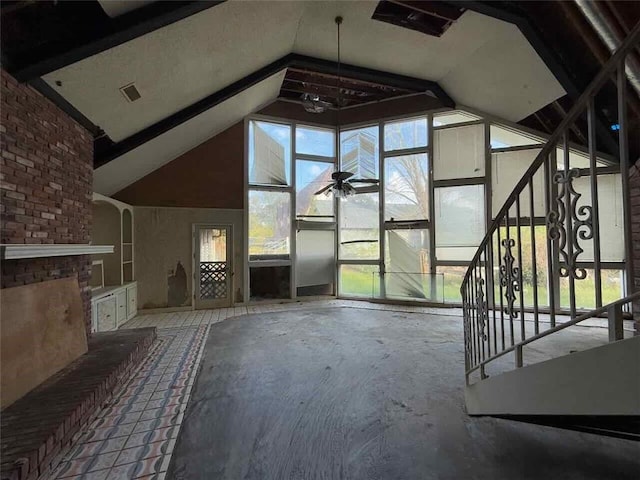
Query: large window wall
(442, 178)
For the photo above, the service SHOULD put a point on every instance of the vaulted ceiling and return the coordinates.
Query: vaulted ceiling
(200, 67)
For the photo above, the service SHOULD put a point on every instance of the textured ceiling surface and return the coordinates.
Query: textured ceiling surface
(481, 62)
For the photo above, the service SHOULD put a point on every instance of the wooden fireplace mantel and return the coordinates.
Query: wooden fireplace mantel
(17, 251)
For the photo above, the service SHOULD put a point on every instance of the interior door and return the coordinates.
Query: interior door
(213, 270)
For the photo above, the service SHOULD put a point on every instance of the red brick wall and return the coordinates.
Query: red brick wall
(46, 179)
(634, 175)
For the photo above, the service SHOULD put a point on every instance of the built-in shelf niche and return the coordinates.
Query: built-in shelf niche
(113, 225)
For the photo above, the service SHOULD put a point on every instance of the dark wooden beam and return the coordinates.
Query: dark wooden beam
(370, 75)
(94, 39)
(292, 60)
(331, 81)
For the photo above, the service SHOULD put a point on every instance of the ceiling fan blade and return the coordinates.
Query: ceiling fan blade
(341, 175)
(324, 189)
(364, 180)
(369, 189)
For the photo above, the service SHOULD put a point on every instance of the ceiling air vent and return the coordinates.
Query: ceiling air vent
(130, 92)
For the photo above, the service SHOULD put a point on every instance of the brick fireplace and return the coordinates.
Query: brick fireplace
(46, 179)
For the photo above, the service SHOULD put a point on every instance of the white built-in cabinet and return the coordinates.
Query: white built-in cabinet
(114, 290)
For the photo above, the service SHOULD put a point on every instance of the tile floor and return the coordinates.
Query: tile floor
(133, 436)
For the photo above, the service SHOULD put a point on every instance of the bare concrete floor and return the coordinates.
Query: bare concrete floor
(344, 393)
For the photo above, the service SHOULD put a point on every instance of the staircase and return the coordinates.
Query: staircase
(507, 311)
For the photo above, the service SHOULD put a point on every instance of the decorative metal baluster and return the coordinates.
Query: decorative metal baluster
(491, 286)
(500, 286)
(591, 128)
(474, 324)
(509, 275)
(520, 282)
(534, 266)
(569, 224)
(486, 303)
(551, 251)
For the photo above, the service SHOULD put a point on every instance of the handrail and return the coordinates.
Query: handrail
(577, 108)
(499, 263)
(562, 326)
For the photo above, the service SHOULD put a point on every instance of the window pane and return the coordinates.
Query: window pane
(406, 187)
(507, 169)
(405, 134)
(451, 118)
(610, 217)
(360, 280)
(612, 289)
(407, 273)
(577, 159)
(311, 177)
(452, 280)
(269, 153)
(458, 152)
(269, 224)
(540, 237)
(359, 227)
(315, 260)
(315, 141)
(359, 152)
(460, 222)
(506, 137)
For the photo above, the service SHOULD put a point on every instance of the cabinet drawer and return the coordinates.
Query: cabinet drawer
(121, 302)
(132, 301)
(106, 314)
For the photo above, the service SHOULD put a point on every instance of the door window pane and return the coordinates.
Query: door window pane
(359, 152)
(360, 280)
(269, 224)
(315, 141)
(359, 227)
(406, 187)
(405, 134)
(311, 177)
(213, 245)
(269, 153)
(458, 152)
(460, 221)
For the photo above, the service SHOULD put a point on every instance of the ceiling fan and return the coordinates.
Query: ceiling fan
(312, 103)
(342, 185)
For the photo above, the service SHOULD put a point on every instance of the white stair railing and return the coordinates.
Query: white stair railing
(561, 198)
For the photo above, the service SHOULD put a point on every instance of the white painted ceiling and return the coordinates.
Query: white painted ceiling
(480, 62)
(137, 163)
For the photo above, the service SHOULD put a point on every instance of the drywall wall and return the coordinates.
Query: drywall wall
(164, 253)
(208, 176)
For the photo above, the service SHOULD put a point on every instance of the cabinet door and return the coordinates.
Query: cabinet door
(132, 301)
(106, 308)
(121, 302)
